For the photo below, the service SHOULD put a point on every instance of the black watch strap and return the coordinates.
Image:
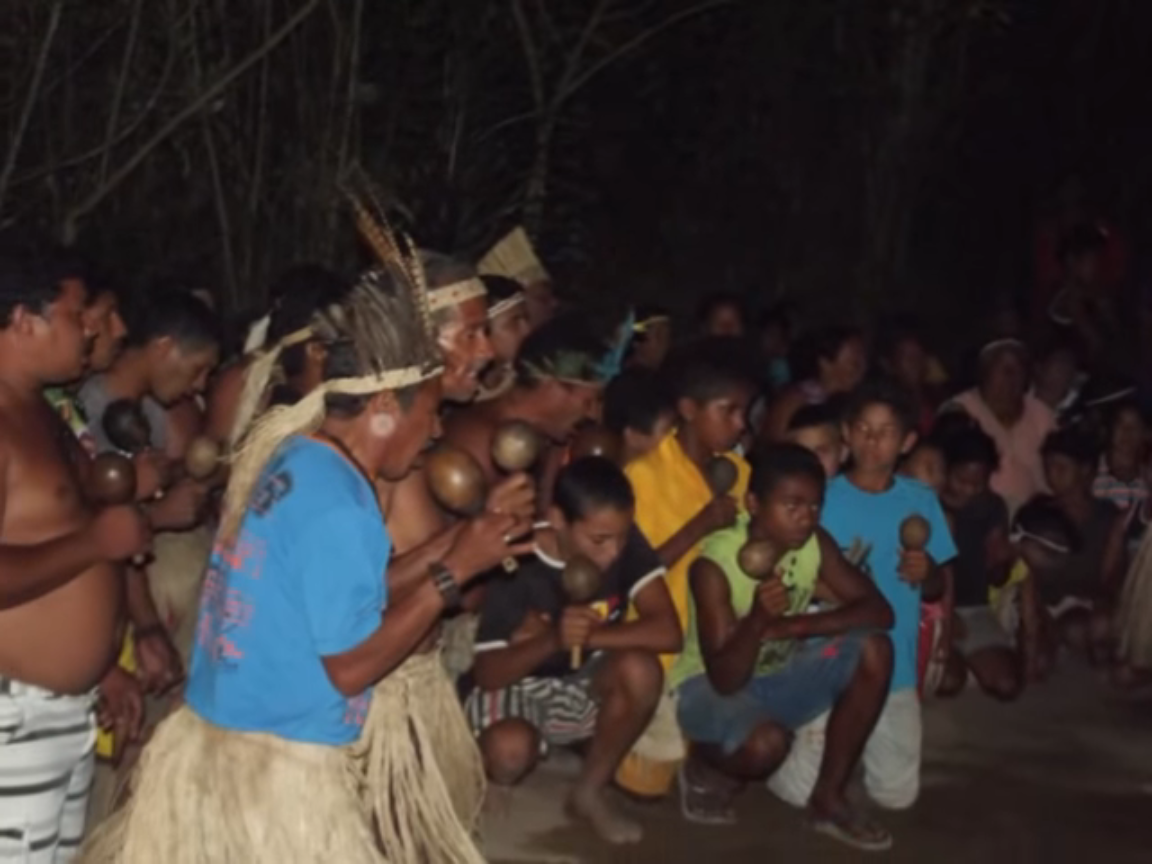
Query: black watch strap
(445, 583)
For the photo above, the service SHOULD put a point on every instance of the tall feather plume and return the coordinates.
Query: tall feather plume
(392, 248)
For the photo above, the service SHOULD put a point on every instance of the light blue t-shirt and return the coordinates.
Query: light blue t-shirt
(303, 580)
(853, 516)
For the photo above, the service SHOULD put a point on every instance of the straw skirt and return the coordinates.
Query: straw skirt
(206, 795)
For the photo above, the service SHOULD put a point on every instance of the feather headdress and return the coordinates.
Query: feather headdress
(385, 320)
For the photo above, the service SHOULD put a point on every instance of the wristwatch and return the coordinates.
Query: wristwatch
(445, 583)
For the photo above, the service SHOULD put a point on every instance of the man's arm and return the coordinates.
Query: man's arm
(656, 628)
(730, 646)
(406, 622)
(29, 572)
(861, 605)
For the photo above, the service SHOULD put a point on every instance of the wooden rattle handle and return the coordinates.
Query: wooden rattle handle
(577, 657)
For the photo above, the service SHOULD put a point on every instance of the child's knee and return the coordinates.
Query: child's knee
(876, 655)
(763, 750)
(510, 749)
(638, 674)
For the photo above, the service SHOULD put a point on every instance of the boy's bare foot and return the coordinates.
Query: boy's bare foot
(591, 806)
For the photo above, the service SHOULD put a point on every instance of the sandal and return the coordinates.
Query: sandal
(852, 828)
(704, 805)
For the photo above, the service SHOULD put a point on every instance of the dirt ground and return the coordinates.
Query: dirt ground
(1063, 775)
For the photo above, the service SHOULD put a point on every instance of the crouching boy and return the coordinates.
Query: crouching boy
(532, 689)
(757, 664)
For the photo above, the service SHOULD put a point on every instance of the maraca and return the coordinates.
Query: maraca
(516, 446)
(126, 426)
(594, 440)
(113, 483)
(113, 480)
(915, 532)
(201, 458)
(758, 559)
(720, 475)
(455, 480)
(581, 580)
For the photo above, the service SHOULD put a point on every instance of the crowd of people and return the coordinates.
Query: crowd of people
(742, 554)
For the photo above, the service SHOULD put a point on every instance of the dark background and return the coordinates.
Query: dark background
(849, 155)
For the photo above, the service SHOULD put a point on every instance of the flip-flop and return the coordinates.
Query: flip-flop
(852, 829)
(701, 805)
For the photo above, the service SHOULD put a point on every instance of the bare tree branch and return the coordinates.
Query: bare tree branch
(635, 42)
(221, 84)
(30, 99)
(121, 83)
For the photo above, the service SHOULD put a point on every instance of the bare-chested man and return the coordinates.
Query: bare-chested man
(60, 592)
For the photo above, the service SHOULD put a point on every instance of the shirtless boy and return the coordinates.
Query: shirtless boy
(56, 570)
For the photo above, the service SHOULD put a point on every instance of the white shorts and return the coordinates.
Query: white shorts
(891, 757)
(47, 749)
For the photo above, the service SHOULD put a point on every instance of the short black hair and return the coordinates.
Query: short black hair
(718, 300)
(635, 399)
(591, 483)
(567, 347)
(1074, 443)
(178, 315)
(881, 391)
(299, 292)
(772, 463)
(967, 446)
(500, 288)
(779, 315)
(823, 344)
(814, 416)
(32, 271)
(709, 369)
(1043, 518)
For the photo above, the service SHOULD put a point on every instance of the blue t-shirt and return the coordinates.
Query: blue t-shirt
(303, 580)
(853, 516)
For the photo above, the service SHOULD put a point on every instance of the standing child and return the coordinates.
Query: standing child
(676, 510)
(865, 508)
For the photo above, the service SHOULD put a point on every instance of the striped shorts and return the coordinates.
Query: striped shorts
(562, 710)
(47, 749)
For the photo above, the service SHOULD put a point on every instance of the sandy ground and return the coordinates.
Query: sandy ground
(1063, 775)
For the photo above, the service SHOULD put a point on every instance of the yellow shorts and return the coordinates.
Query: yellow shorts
(105, 738)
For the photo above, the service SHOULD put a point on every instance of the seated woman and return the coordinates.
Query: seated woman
(552, 672)
(1015, 419)
(757, 665)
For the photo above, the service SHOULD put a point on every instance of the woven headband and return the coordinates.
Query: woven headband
(642, 326)
(506, 305)
(455, 294)
(394, 379)
(1051, 545)
(997, 344)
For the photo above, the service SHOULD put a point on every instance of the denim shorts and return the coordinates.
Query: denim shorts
(809, 684)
